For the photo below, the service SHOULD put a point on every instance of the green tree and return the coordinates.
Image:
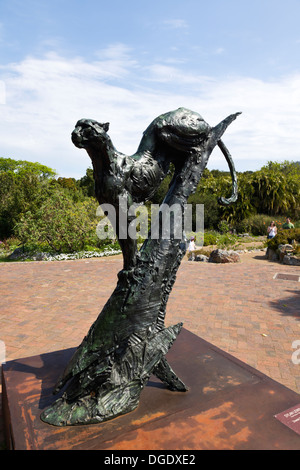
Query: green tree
(87, 183)
(207, 194)
(23, 167)
(277, 189)
(60, 223)
(244, 206)
(21, 186)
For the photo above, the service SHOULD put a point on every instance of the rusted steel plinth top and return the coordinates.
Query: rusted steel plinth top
(229, 405)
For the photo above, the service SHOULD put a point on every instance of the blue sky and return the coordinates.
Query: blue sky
(128, 62)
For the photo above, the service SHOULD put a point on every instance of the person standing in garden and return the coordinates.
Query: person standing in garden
(191, 249)
(288, 224)
(272, 230)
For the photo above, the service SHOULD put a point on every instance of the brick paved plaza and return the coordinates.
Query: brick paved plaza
(240, 308)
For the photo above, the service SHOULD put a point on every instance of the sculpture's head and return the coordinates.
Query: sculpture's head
(88, 131)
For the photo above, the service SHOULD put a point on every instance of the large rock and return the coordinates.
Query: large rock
(284, 250)
(291, 260)
(18, 253)
(271, 255)
(224, 256)
(202, 258)
(283, 254)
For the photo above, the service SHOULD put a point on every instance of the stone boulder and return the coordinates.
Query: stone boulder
(271, 255)
(283, 254)
(201, 258)
(18, 253)
(224, 256)
(284, 250)
(291, 260)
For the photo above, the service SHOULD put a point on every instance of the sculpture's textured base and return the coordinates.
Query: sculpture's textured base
(229, 405)
(121, 391)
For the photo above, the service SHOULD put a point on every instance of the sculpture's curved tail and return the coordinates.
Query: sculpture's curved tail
(222, 200)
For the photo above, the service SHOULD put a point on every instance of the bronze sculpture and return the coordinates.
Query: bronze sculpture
(128, 341)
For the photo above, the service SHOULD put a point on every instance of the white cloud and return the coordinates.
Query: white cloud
(176, 23)
(219, 51)
(45, 98)
(117, 51)
(1, 32)
(2, 92)
(268, 128)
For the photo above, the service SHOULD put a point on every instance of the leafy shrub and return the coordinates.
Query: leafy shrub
(210, 238)
(297, 251)
(223, 227)
(202, 251)
(60, 223)
(225, 240)
(284, 237)
(9, 244)
(21, 186)
(257, 224)
(211, 209)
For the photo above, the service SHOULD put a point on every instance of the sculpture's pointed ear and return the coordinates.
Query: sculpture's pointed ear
(106, 126)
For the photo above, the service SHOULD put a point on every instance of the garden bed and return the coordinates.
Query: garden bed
(20, 255)
(236, 243)
(230, 242)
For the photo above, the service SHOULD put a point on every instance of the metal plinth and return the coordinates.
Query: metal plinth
(229, 405)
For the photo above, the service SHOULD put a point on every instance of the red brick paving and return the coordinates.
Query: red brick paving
(47, 306)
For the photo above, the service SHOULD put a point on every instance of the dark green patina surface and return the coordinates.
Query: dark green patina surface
(128, 341)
